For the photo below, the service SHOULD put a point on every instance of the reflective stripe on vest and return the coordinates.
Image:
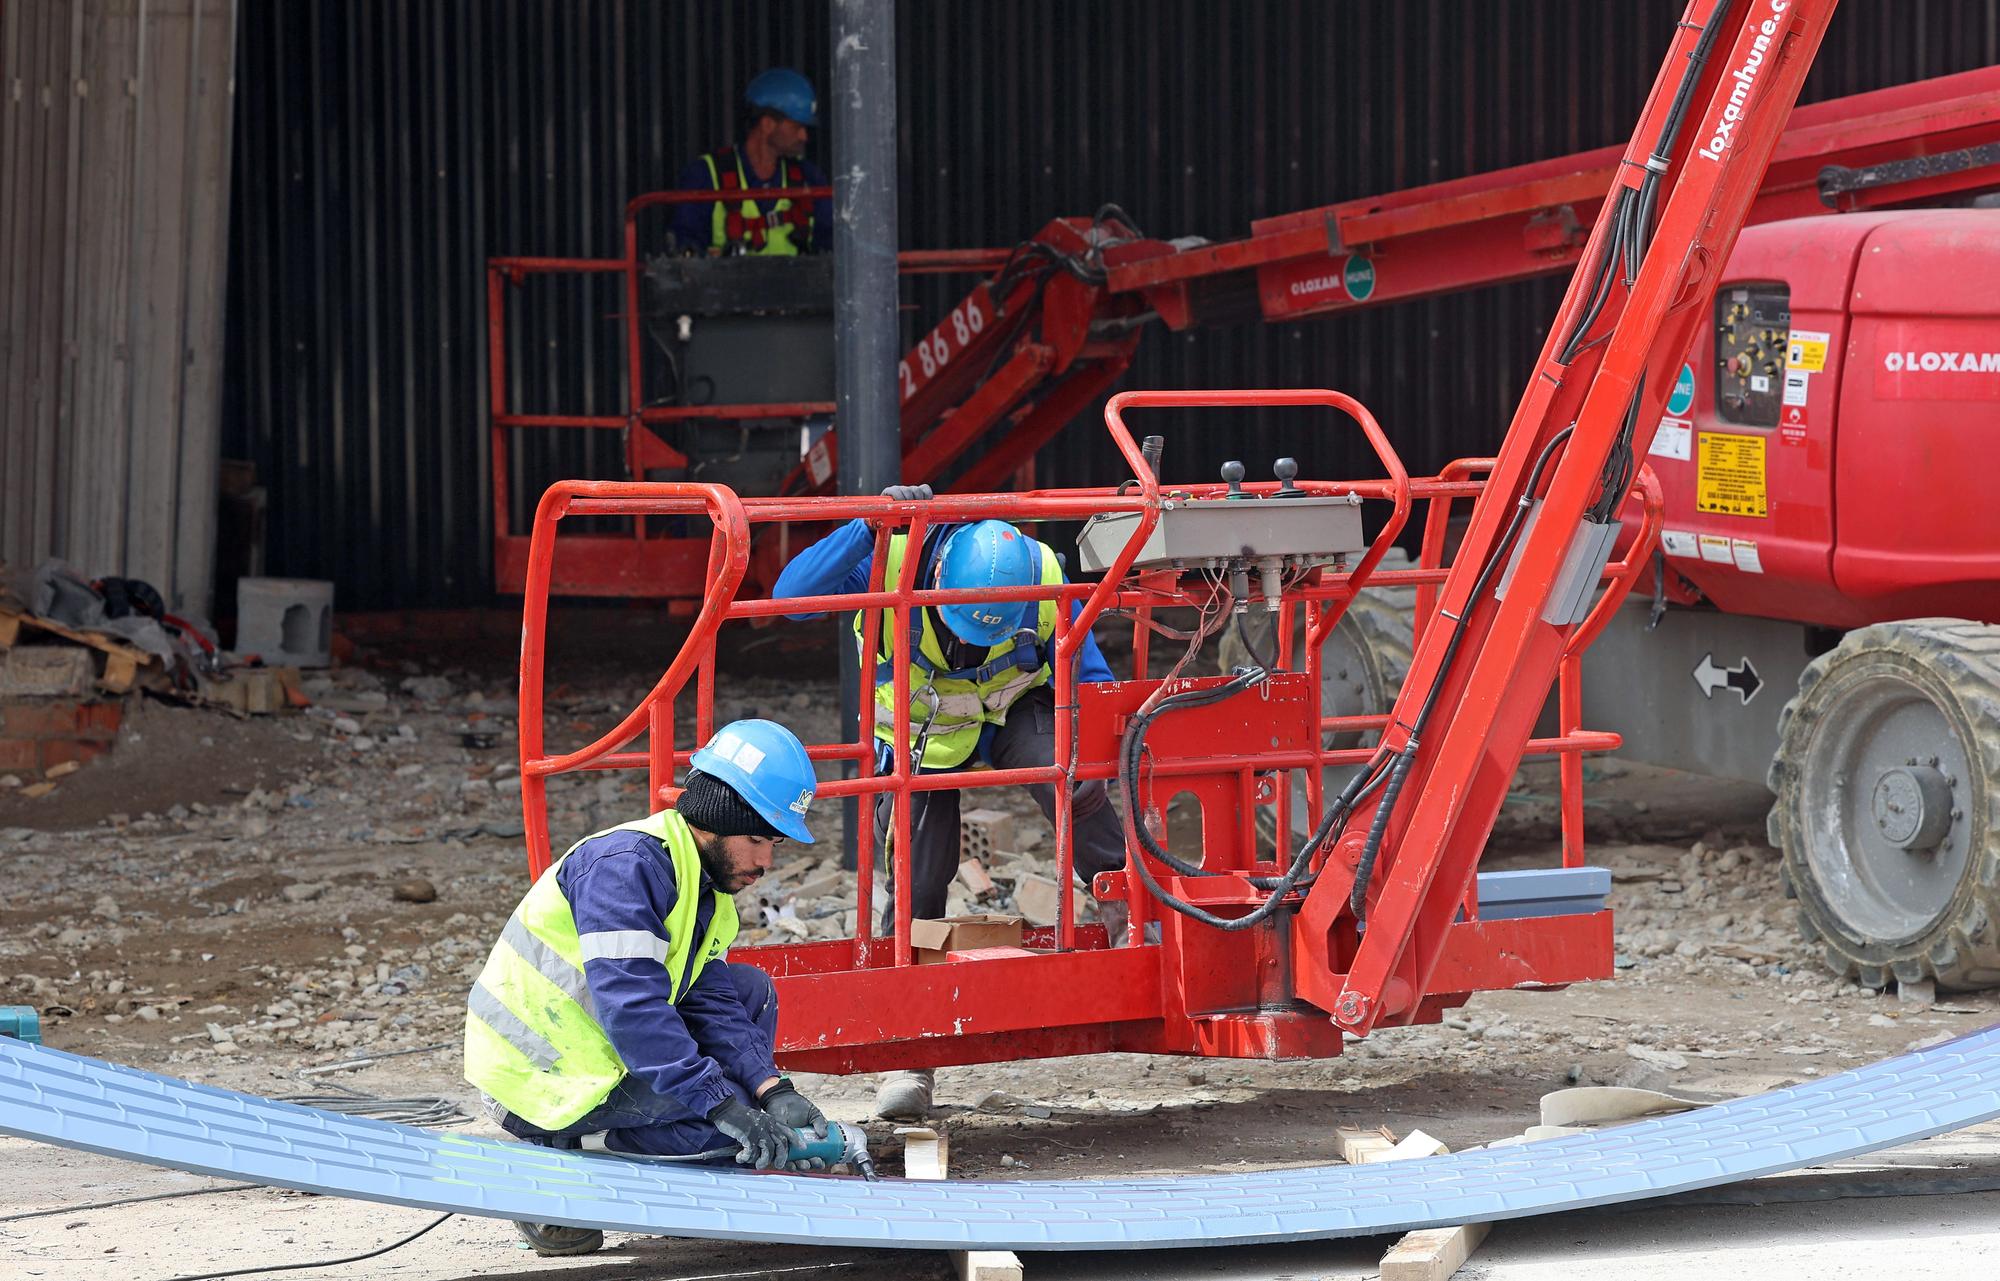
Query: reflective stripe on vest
(955, 703)
(744, 222)
(532, 1039)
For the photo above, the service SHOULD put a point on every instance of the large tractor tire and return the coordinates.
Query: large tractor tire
(1363, 662)
(1887, 779)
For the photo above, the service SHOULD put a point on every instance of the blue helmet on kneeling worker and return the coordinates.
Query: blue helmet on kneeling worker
(988, 553)
(767, 779)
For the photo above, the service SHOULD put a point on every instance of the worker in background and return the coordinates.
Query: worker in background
(606, 1007)
(980, 691)
(779, 111)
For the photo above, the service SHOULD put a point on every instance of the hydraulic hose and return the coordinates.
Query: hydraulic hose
(1132, 749)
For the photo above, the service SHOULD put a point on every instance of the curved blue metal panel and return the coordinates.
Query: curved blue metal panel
(99, 1107)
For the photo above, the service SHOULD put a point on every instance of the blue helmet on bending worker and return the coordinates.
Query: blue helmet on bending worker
(981, 689)
(991, 553)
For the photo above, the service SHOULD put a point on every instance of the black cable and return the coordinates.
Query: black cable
(321, 1263)
(1133, 747)
(1250, 646)
(130, 1200)
(1110, 210)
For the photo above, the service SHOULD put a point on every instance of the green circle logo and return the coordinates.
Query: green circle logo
(1358, 276)
(1682, 398)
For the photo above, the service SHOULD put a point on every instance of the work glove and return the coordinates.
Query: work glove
(793, 1109)
(908, 493)
(765, 1140)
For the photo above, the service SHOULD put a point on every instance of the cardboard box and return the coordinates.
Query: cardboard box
(931, 940)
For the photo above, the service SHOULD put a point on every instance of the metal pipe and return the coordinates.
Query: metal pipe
(865, 332)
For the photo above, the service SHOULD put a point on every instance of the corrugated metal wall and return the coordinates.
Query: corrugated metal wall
(384, 151)
(114, 172)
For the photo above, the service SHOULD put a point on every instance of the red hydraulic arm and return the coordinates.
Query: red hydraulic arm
(1409, 849)
(1026, 351)
(1023, 353)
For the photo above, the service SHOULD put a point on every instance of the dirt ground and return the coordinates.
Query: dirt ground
(234, 902)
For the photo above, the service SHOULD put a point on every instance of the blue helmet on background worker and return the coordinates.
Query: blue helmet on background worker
(766, 765)
(988, 553)
(786, 92)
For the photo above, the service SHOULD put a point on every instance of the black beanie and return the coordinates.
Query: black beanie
(713, 806)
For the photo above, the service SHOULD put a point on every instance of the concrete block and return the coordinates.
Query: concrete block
(285, 621)
(45, 671)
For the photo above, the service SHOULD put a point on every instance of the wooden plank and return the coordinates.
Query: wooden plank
(1432, 1254)
(926, 1152)
(986, 1265)
(925, 1156)
(119, 672)
(1358, 1147)
(96, 640)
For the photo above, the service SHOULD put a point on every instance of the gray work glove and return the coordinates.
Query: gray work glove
(908, 493)
(793, 1109)
(765, 1140)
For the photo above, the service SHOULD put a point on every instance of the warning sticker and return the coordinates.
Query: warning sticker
(1674, 439)
(1729, 479)
(1679, 542)
(1806, 350)
(1797, 383)
(1747, 559)
(1716, 548)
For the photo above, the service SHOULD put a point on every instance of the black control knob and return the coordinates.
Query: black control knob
(1287, 470)
(1232, 471)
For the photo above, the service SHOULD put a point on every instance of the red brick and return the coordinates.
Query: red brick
(17, 756)
(100, 720)
(43, 718)
(57, 750)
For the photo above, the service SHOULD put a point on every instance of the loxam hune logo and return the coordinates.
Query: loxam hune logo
(1745, 77)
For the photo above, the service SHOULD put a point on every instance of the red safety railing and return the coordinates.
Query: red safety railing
(627, 565)
(733, 521)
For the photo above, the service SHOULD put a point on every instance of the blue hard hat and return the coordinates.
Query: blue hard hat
(766, 765)
(786, 92)
(990, 553)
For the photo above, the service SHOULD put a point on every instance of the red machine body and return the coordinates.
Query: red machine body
(1820, 474)
(1027, 351)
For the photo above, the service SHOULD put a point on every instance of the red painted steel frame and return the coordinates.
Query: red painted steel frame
(1506, 225)
(1488, 700)
(634, 565)
(858, 1004)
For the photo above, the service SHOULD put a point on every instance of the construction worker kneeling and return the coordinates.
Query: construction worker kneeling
(607, 1008)
(979, 688)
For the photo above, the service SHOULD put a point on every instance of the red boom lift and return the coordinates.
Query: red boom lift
(1377, 918)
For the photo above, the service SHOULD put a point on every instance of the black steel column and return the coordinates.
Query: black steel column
(866, 344)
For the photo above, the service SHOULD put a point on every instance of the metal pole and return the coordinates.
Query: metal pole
(865, 339)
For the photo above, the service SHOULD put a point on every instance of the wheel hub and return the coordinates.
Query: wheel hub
(1912, 806)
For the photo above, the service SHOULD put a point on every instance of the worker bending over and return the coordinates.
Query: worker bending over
(606, 1007)
(979, 688)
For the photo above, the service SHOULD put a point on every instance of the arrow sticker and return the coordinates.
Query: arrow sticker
(1742, 678)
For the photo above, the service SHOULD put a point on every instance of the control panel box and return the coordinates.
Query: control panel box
(1212, 533)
